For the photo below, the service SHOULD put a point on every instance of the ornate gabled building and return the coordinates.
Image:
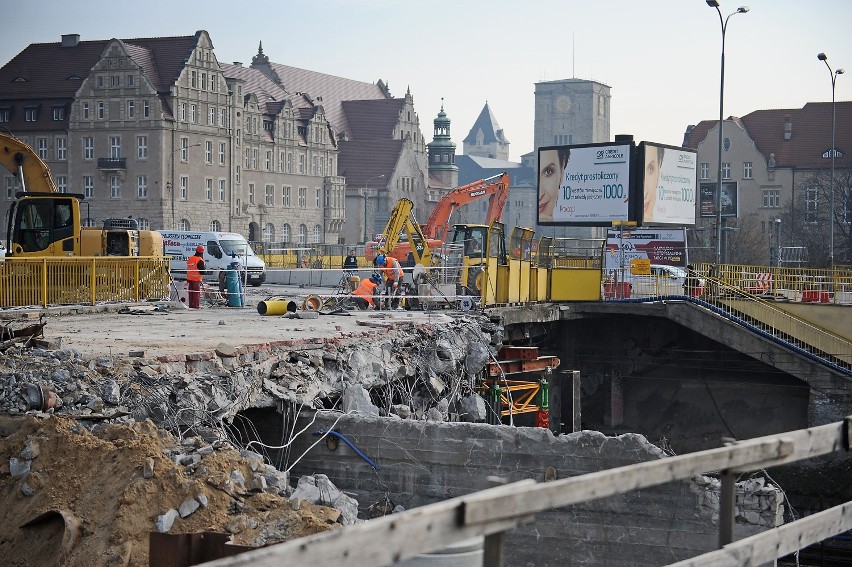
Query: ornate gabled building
(158, 129)
(776, 167)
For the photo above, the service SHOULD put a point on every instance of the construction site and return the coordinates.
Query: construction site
(501, 403)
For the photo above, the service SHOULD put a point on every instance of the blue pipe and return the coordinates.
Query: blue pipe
(353, 447)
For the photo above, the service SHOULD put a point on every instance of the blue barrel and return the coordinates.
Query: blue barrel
(234, 287)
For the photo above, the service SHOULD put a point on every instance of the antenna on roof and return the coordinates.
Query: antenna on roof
(573, 55)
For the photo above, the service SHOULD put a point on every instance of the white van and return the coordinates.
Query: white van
(220, 250)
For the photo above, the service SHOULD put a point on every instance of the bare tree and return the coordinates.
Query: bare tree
(806, 221)
(746, 244)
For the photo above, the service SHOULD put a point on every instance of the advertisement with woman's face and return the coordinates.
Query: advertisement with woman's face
(668, 188)
(585, 184)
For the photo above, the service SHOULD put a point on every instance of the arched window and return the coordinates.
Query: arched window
(303, 234)
(269, 232)
(144, 224)
(183, 224)
(285, 233)
(317, 234)
(215, 226)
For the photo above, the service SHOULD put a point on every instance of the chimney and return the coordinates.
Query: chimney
(238, 63)
(788, 128)
(70, 39)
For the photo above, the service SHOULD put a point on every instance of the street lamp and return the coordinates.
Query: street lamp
(824, 58)
(364, 194)
(724, 22)
(172, 174)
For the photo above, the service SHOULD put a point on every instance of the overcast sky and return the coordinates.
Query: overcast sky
(661, 57)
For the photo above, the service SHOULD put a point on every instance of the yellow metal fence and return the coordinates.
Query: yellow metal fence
(82, 280)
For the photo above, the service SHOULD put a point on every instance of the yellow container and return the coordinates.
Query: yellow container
(276, 306)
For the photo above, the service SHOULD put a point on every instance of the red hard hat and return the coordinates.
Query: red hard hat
(199, 249)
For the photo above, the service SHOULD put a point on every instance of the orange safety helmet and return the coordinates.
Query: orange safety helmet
(199, 249)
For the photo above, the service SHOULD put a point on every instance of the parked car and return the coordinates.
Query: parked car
(664, 280)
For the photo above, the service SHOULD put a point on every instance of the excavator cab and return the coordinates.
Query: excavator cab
(44, 225)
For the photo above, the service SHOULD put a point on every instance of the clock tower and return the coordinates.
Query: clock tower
(571, 111)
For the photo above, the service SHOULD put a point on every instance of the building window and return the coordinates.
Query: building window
(146, 109)
(208, 152)
(255, 153)
(285, 233)
(303, 197)
(747, 170)
(115, 81)
(303, 235)
(237, 176)
(129, 80)
(101, 110)
(222, 190)
(89, 221)
(811, 196)
(41, 146)
(193, 113)
(88, 186)
(269, 232)
(285, 196)
(184, 188)
(215, 226)
(184, 149)
(193, 79)
(114, 147)
(223, 118)
(62, 148)
(30, 114)
(317, 234)
(100, 81)
(88, 148)
(268, 161)
(62, 183)
(726, 170)
(203, 83)
(58, 113)
(772, 198)
(183, 224)
(301, 164)
(289, 165)
(131, 109)
(705, 170)
(183, 112)
(85, 111)
(115, 187)
(270, 195)
(318, 197)
(251, 194)
(142, 187)
(221, 153)
(212, 116)
(11, 185)
(144, 224)
(313, 165)
(142, 147)
(248, 158)
(237, 209)
(208, 189)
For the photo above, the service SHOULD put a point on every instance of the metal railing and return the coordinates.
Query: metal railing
(806, 285)
(82, 280)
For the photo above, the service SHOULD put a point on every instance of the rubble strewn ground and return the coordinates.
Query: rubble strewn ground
(132, 444)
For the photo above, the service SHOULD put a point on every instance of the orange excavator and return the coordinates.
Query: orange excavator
(434, 232)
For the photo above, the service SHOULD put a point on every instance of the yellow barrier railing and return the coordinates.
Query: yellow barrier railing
(806, 285)
(82, 280)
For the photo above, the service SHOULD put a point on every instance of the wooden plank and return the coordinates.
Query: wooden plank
(777, 542)
(812, 442)
(382, 541)
(479, 508)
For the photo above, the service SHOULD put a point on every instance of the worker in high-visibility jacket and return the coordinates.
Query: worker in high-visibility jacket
(194, 272)
(393, 278)
(365, 292)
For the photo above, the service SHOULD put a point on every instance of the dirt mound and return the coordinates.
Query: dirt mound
(117, 482)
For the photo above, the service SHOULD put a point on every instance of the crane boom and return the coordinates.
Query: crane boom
(496, 188)
(27, 167)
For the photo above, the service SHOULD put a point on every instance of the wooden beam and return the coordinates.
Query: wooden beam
(777, 542)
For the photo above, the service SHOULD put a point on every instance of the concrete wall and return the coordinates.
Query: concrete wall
(424, 462)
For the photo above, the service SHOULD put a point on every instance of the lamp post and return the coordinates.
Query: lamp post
(724, 22)
(824, 58)
(172, 175)
(365, 203)
(778, 241)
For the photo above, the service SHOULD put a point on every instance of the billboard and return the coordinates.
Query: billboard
(668, 184)
(729, 199)
(585, 184)
(658, 246)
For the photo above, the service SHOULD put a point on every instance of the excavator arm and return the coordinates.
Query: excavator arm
(496, 188)
(401, 219)
(29, 169)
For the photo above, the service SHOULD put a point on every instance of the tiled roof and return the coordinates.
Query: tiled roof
(475, 168)
(372, 119)
(333, 90)
(361, 160)
(810, 134)
(488, 124)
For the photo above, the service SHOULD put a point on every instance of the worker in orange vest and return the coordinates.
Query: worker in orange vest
(366, 290)
(393, 277)
(194, 270)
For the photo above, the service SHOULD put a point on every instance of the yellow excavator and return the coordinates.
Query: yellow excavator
(44, 222)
